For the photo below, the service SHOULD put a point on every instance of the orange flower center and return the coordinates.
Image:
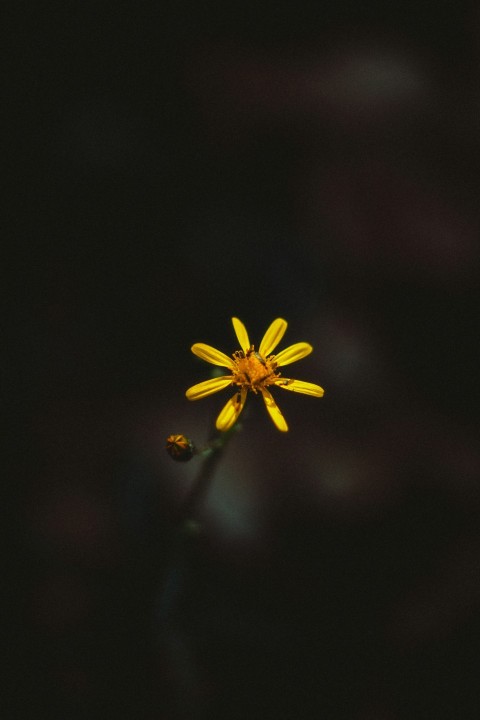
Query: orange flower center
(252, 370)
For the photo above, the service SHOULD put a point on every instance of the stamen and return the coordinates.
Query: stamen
(254, 371)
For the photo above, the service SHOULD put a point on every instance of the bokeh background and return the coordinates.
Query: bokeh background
(177, 164)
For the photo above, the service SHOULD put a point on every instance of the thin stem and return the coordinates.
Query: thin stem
(185, 530)
(212, 454)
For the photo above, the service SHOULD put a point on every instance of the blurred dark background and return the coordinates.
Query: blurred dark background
(169, 165)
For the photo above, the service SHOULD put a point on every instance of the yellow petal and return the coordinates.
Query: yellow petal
(241, 333)
(272, 337)
(274, 411)
(211, 355)
(299, 386)
(231, 411)
(293, 353)
(208, 387)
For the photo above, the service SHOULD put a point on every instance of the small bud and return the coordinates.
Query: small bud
(180, 448)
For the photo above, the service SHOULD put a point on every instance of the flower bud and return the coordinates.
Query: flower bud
(180, 448)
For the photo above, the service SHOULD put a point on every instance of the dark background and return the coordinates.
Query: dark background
(168, 166)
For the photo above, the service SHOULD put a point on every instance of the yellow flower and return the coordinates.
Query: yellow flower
(254, 371)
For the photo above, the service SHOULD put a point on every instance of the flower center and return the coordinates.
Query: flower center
(252, 370)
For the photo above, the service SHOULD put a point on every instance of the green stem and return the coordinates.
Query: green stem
(185, 527)
(212, 454)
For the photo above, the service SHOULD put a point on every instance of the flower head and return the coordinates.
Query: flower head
(253, 371)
